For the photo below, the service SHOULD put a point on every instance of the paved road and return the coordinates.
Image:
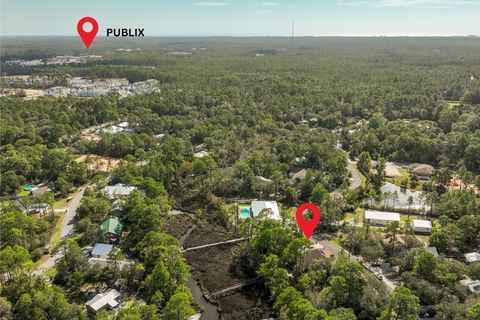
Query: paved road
(357, 181)
(67, 227)
(331, 246)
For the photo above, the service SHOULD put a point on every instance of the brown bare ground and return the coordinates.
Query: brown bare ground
(98, 163)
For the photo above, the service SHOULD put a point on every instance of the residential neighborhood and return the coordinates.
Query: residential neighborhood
(183, 176)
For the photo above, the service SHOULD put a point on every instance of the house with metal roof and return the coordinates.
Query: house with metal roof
(118, 191)
(472, 285)
(424, 226)
(107, 300)
(381, 218)
(472, 257)
(101, 250)
(112, 228)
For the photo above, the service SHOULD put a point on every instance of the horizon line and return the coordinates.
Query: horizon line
(261, 36)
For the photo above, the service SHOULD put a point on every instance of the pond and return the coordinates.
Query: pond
(402, 201)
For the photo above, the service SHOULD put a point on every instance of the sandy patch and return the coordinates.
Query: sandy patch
(98, 163)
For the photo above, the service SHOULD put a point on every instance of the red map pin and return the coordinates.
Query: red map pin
(308, 226)
(87, 37)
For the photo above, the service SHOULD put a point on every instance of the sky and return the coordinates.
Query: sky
(246, 17)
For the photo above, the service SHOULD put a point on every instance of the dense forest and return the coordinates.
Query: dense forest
(257, 117)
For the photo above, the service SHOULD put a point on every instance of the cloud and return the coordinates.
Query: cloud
(409, 3)
(270, 4)
(210, 4)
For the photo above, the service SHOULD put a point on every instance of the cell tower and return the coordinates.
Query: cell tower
(293, 33)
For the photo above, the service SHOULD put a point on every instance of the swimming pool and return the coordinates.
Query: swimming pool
(245, 213)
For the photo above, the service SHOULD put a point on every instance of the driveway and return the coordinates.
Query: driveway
(67, 227)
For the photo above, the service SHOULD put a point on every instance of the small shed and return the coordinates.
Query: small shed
(101, 250)
(381, 218)
(424, 226)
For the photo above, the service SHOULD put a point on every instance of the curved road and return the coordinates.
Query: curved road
(67, 228)
(357, 180)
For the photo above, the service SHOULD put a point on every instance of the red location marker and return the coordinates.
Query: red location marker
(87, 37)
(308, 226)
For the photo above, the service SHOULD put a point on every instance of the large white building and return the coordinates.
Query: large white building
(268, 207)
(381, 218)
(424, 226)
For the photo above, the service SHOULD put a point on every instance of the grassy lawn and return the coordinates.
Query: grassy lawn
(336, 242)
(398, 180)
(358, 214)
(57, 229)
(60, 204)
(37, 263)
(23, 193)
(54, 238)
(405, 176)
(404, 217)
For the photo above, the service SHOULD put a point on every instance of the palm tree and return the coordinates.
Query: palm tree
(386, 196)
(410, 202)
(395, 198)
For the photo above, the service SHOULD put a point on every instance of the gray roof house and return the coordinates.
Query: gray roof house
(424, 226)
(106, 300)
(472, 257)
(472, 285)
(119, 190)
(101, 250)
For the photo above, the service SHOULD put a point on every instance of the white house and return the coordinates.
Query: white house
(108, 299)
(424, 226)
(118, 190)
(270, 207)
(472, 257)
(101, 250)
(201, 154)
(472, 285)
(381, 218)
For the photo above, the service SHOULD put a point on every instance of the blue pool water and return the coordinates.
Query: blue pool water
(245, 213)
